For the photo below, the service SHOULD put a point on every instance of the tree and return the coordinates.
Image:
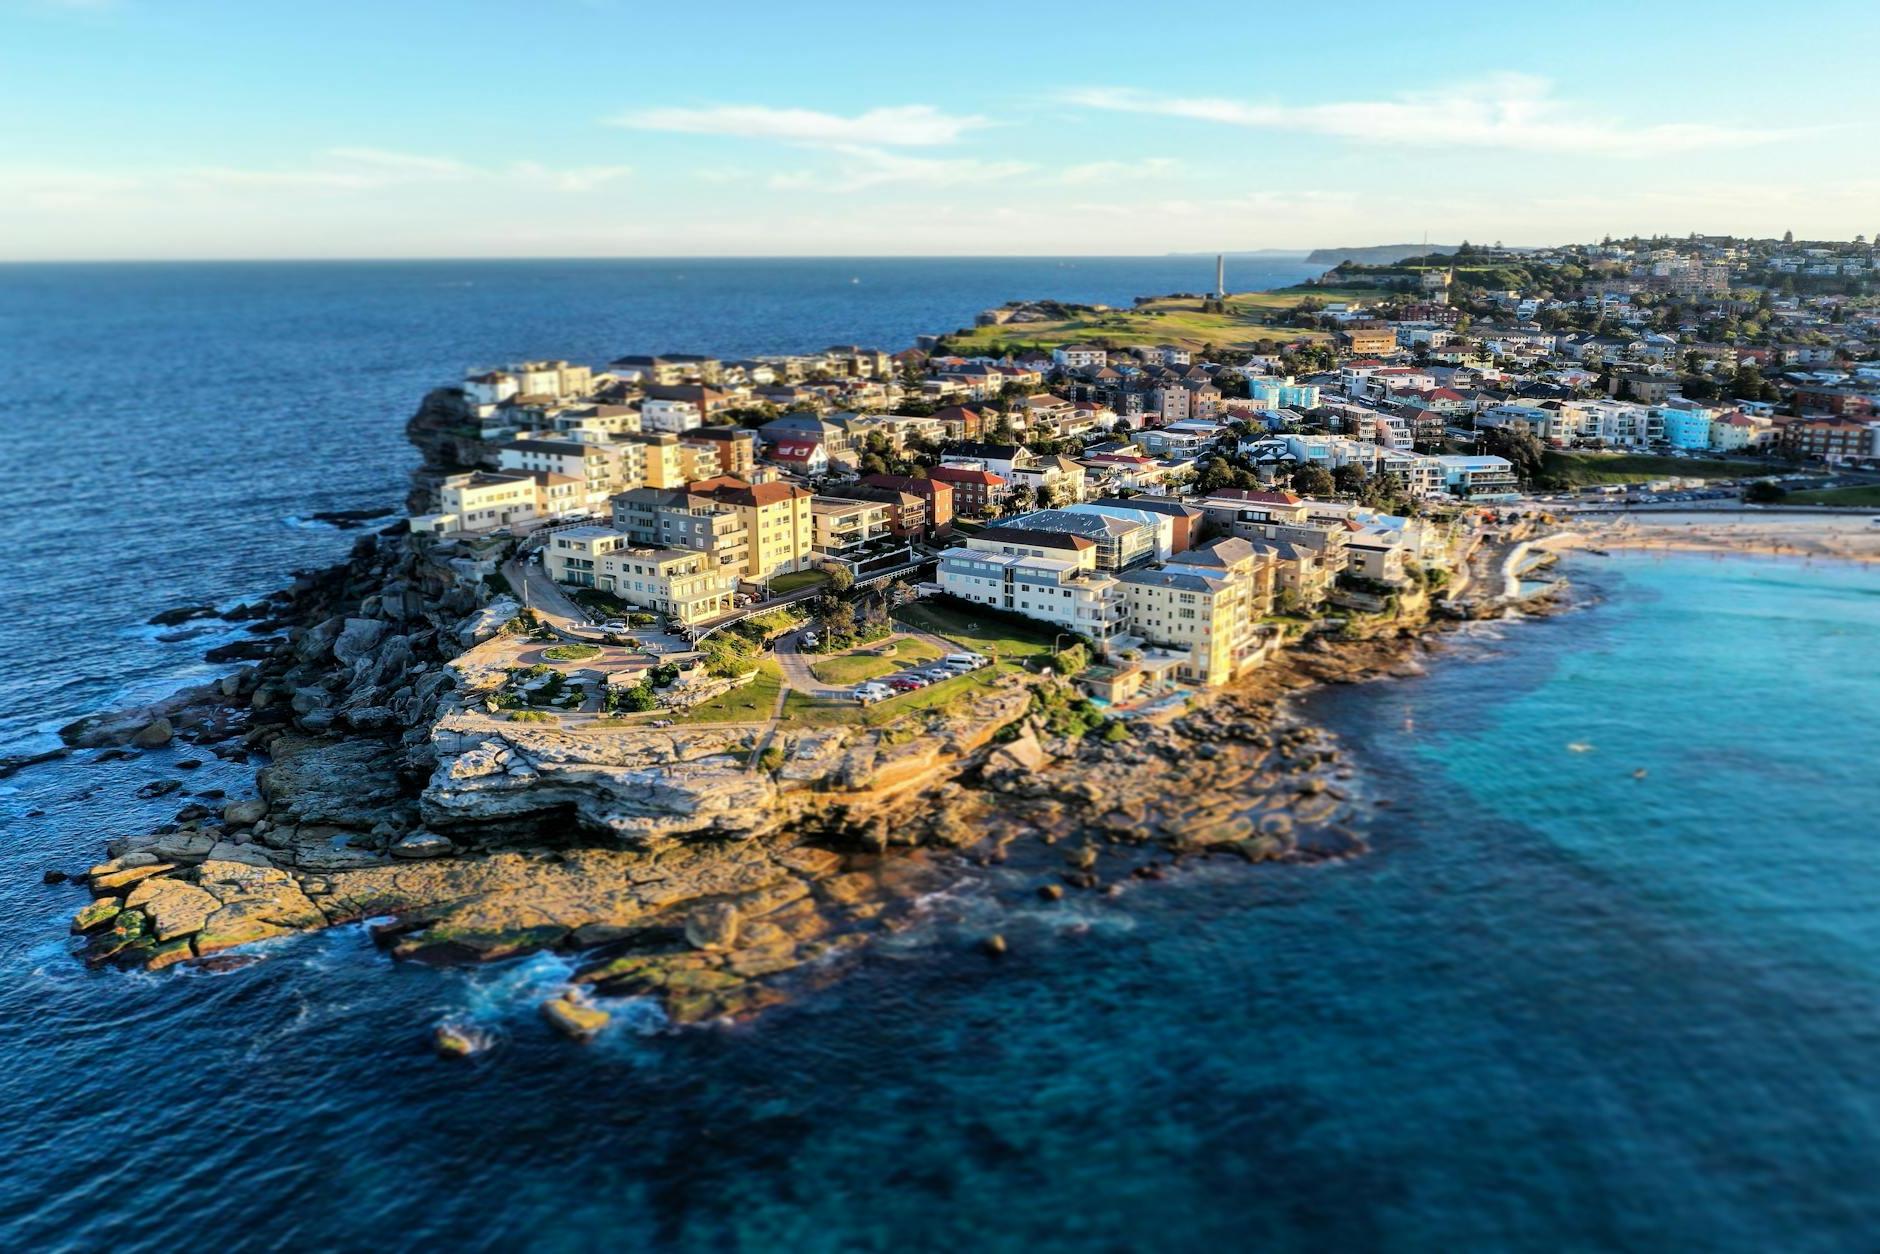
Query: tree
(841, 578)
(1349, 478)
(1788, 237)
(1520, 446)
(1310, 480)
(836, 616)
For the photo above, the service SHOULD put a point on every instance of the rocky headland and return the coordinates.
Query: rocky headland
(686, 863)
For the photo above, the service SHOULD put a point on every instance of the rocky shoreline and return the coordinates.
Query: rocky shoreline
(665, 859)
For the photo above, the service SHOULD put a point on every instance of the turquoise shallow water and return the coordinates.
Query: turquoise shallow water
(1558, 1007)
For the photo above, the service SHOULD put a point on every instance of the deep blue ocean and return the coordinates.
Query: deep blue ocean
(1558, 1007)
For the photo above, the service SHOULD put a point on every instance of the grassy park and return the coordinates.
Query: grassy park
(1250, 318)
(1586, 469)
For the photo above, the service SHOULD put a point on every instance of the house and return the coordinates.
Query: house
(1184, 521)
(1207, 608)
(734, 449)
(976, 490)
(485, 500)
(670, 415)
(1000, 459)
(597, 468)
(1829, 439)
(1055, 479)
(805, 457)
(1078, 356)
(906, 511)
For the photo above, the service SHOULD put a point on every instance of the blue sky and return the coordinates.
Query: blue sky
(190, 128)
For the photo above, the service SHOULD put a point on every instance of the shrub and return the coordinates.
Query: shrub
(1070, 662)
(1764, 492)
(1115, 731)
(632, 700)
(533, 716)
(772, 759)
(572, 652)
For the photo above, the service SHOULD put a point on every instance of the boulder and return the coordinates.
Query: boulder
(713, 927)
(317, 642)
(244, 813)
(456, 1040)
(112, 875)
(169, 953)
(172, 907)
(185, 846)
(356, 639)
(154, 734)
(576, 1020)
(422, 844)
(97, 914)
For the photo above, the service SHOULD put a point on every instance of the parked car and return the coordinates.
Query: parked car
(870, 693)
(968, 661)
(907, 683)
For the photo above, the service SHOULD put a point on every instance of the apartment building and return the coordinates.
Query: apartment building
(843, 529)
(1207, 608)
(937, 494)
(680, 583)
(777, 518)
(1063, 593)
(1121, 543)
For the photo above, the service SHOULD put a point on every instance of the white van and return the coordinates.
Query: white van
(964, 661)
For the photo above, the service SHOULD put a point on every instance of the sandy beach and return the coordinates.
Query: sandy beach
(1847, 536)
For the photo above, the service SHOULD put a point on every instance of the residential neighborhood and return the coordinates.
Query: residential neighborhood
(1176, 510)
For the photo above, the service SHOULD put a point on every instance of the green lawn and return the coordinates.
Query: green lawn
(977, 633)
(797, 580)
(751, 703)
(1865, 497)
(1250, 317)
(803, 710)
(1591, 468)
(853, 668)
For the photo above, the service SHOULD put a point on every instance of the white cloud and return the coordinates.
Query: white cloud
(1100, 171)
(898, 126)
(1513, 111)
(862, 167)
(400, 163)
(580, 178)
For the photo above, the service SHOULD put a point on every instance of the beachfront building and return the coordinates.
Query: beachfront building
(1207, 608)
(1479, 478)
(683, 584)
(1057, 590)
